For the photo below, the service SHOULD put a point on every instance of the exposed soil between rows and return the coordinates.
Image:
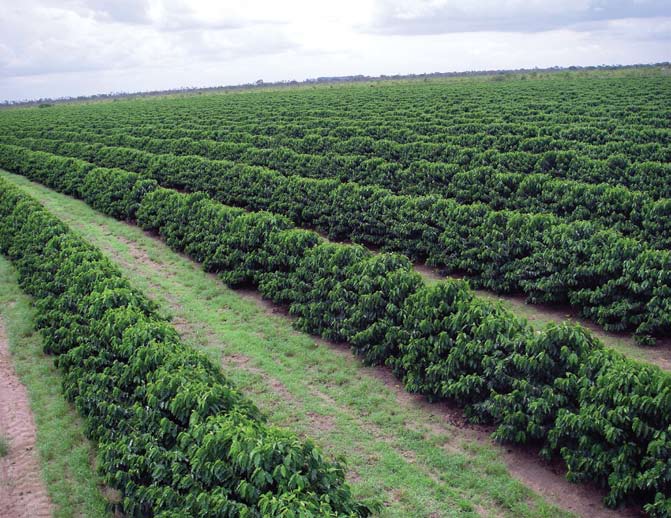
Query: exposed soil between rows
(23, 493)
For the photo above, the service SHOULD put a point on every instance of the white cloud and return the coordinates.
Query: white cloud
(72, 39)
(75, 47)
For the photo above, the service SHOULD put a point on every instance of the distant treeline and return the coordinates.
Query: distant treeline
(47, 102)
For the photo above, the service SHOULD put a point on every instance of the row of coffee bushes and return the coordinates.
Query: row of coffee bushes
(632, 213)
(174, 436)
(608, 417)
(441, 146)
(503, 151)
(615, 281)
(501, 135)
(596, 122)
(563, 168)
(404, 145)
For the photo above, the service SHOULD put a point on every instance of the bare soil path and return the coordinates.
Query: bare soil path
(23, 493)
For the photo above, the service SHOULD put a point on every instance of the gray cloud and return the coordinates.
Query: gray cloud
(656, 29)
(119, 11)
(451, 16)
(95, 35)
(65, 40)
(179, 15)
(233, 44)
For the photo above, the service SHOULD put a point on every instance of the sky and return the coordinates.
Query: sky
(82, 47)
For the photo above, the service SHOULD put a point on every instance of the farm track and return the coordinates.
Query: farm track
(23, 493)
(357, 411)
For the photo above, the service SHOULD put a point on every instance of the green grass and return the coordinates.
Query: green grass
(65, 454)
(4, 446)
(399, 449)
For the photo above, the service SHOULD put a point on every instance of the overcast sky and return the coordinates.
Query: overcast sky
(54, 48)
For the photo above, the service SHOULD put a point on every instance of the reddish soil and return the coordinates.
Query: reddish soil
(22, 490)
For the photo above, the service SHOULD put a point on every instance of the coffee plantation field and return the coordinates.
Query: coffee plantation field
(323, 199)
(556, 188)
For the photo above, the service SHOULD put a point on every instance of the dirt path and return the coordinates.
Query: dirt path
(524, 464)
(22, 491)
